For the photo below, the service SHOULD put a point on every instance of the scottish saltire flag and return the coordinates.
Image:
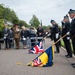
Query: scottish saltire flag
(45, 59)
(37, 49)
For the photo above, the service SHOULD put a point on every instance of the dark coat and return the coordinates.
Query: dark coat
(25, 33)
(11, 34)
(72, 31)
(32, 33)
(54, 30)
(65, 28)
(40, 32)
(6, 32)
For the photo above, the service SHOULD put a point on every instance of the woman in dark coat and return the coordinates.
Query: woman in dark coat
(24, 35)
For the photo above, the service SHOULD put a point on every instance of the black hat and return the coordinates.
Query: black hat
(66, 16)
(52, 21)
(71, 11)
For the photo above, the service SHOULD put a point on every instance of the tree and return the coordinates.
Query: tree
(1, 28)
(1, 24)
(45, 27)
(34, 21)
(1, 11)
(8, 14)
(22, 23)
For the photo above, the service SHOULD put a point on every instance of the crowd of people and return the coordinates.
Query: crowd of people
(13, 36)
(68, 28)
(23, 34)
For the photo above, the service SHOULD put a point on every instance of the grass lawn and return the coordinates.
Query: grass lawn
(62, 44)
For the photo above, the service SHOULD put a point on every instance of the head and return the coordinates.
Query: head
(16, 25)
(5, 25)
(23, 27)
(71, 13)
(66, 18)
(53, 22)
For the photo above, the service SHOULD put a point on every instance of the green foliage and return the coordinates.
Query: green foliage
(22, 23)
(45, 27)
(1, 28)
(8, 14)
(15, 21)
(1, 24)
(1, 11)
(34, 21)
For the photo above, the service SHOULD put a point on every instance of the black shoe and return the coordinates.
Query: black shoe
(69, 56)
(56, 52)
(73, 64)
(17, 48)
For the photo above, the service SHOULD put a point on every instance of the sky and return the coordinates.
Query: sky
(44, 10)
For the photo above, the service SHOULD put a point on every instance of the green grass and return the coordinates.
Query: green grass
(62, 44)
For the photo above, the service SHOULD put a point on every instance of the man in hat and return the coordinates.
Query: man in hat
(55, 34)
(72, 16)
(66, 30)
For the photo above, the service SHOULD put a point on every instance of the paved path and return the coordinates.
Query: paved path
(8, 66)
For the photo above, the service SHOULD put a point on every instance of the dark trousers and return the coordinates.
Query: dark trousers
(7, 44)
(57, 45)
(33, 42)
(73, 43)
(11, 43)
(17, 40)
(0, 45)
(68, 46)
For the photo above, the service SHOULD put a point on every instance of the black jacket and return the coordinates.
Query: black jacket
(54, 30)
(32, 33)
(72, 31)
(25, 33)
(40, 32)
(11, 34)
(65, 28)
(6, 32)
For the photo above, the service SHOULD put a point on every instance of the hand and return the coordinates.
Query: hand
(68, 33)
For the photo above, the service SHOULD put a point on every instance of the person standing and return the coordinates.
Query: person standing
(32, 36)
(66, 39)
(55, 34)
(40, 33)
(11, 38)
(72, 31)
(6, 36)
(24, 35)
(16, 36)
